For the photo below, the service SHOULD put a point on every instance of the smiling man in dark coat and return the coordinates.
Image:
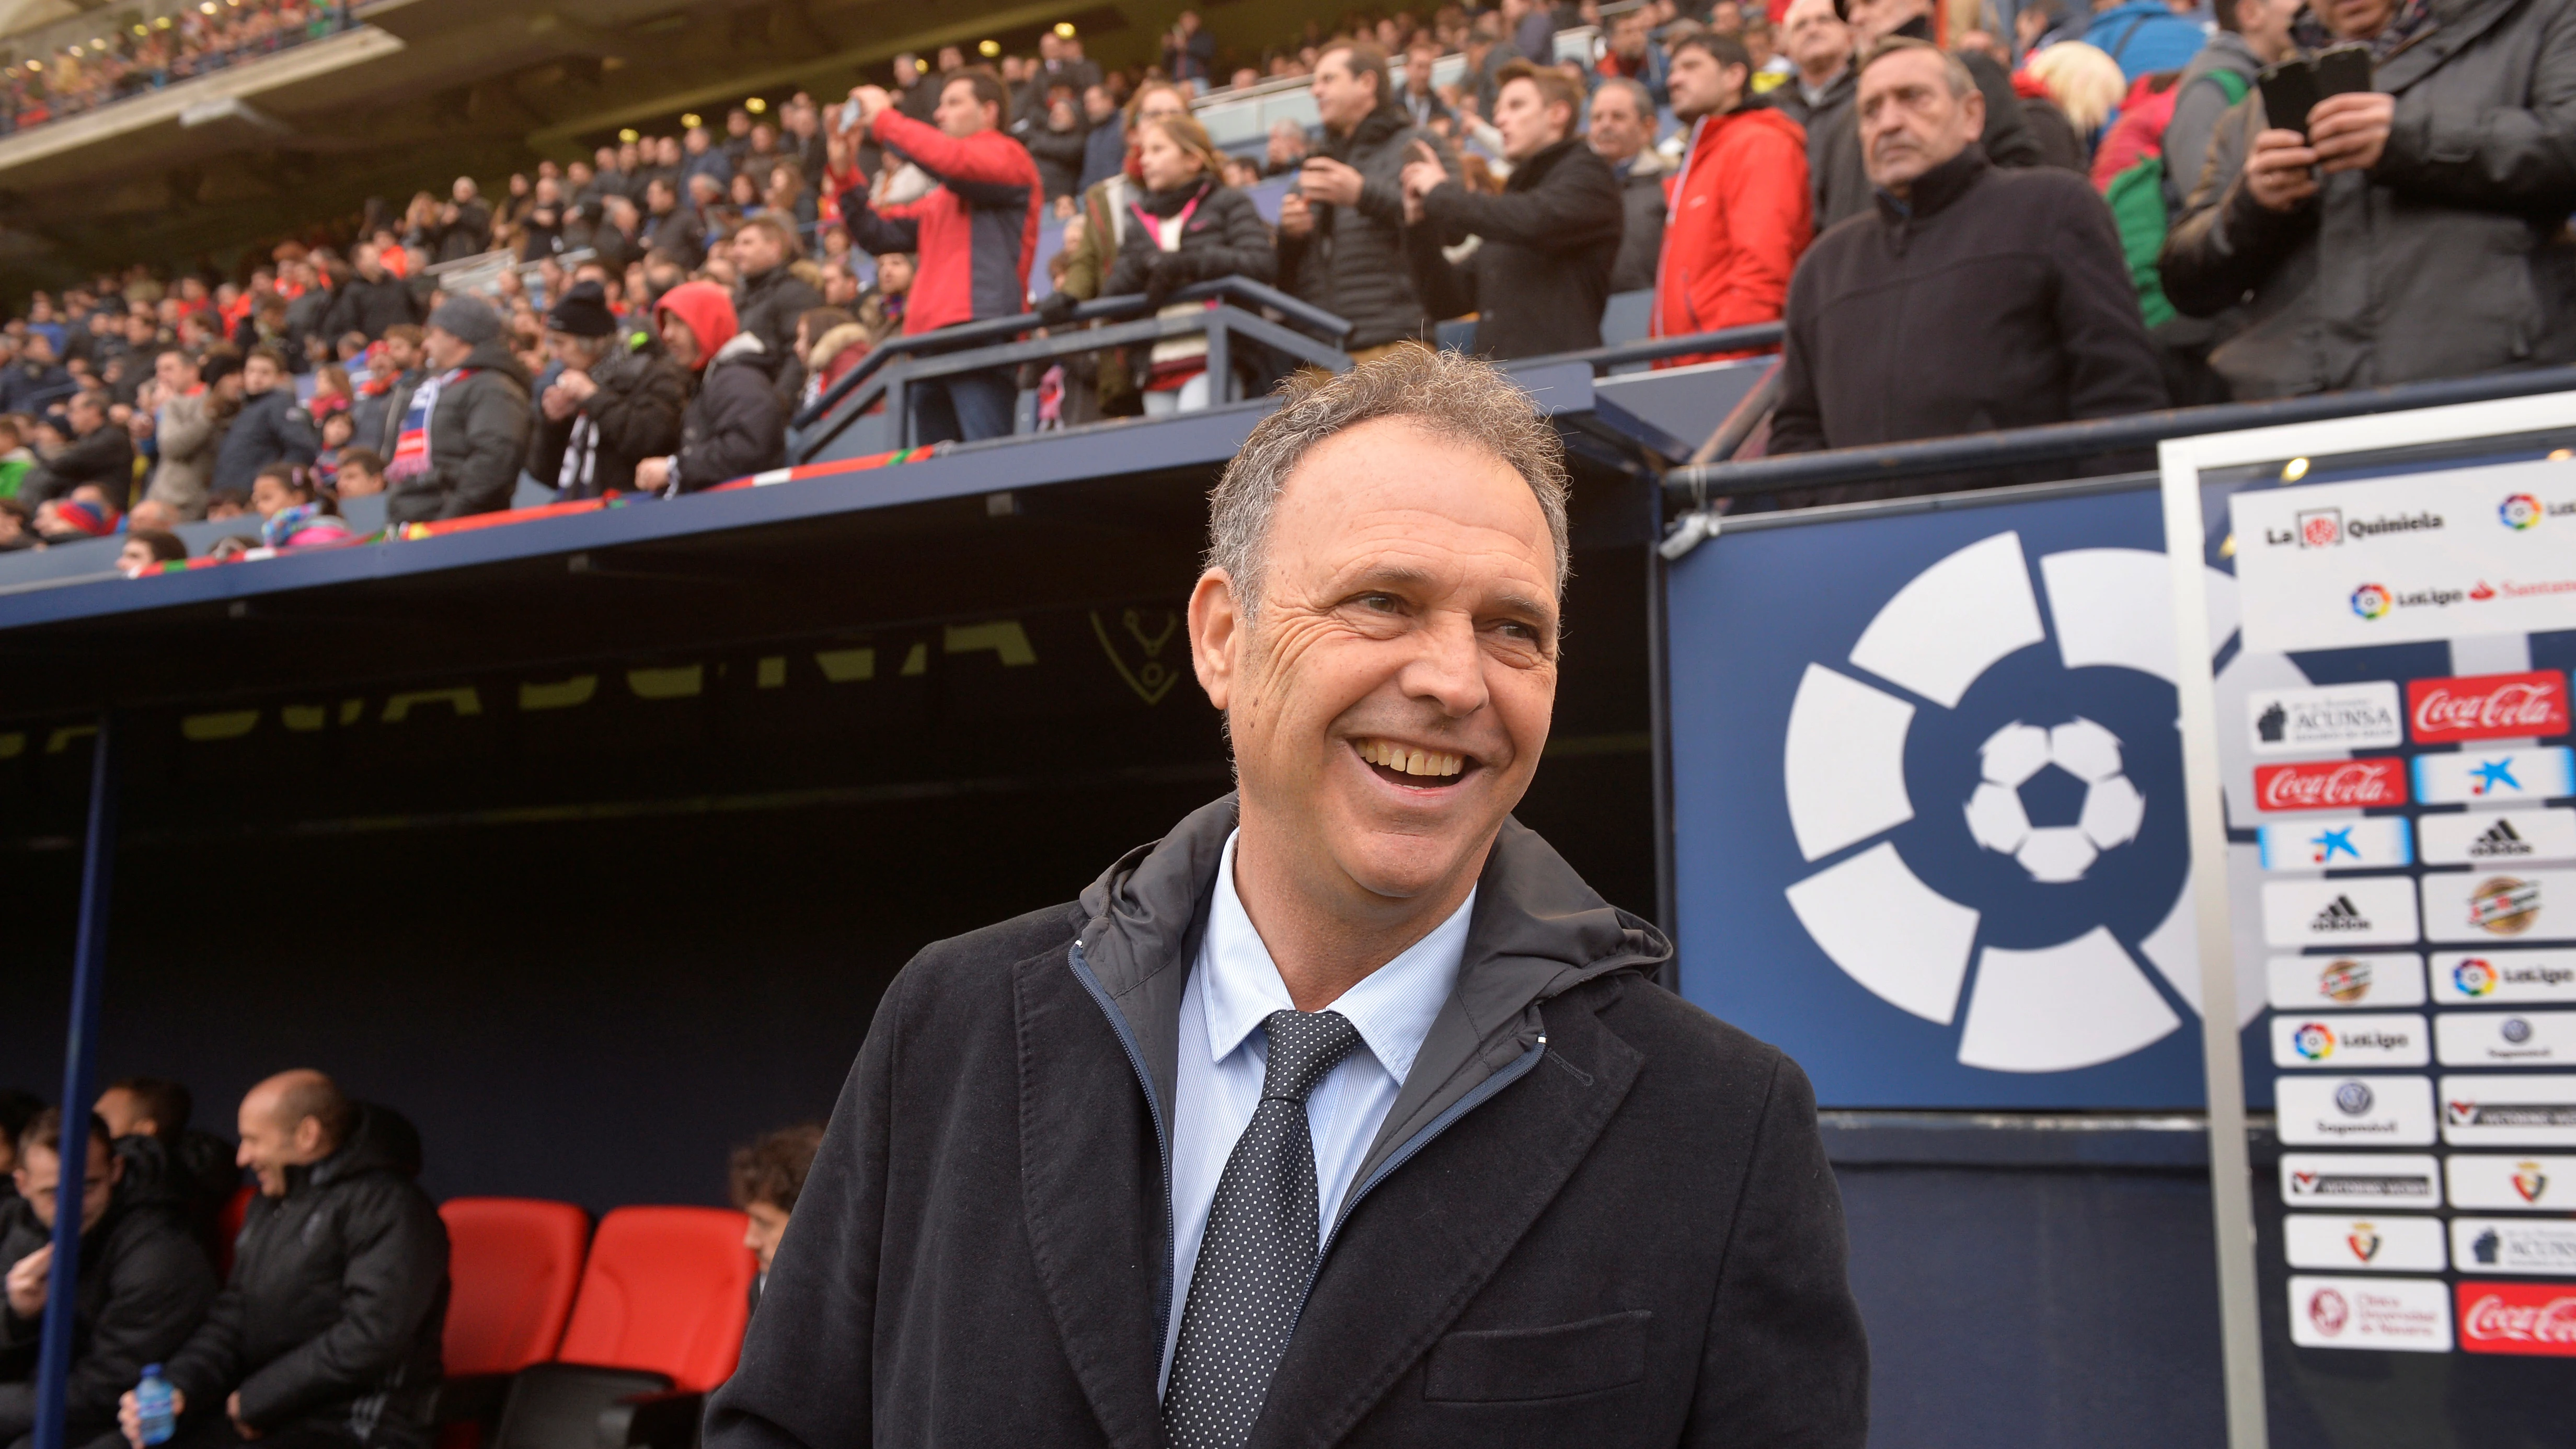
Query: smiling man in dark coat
(1346, 1113)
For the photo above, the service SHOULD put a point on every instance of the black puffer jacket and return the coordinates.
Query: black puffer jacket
(144, 1287)
(478, 437)
(634, 415)
(337, 1300)
(1541, 273)
(768, 305)
(1224, 237)
(736, 424)
(359, 305)
(1352, 263)
(272, 427)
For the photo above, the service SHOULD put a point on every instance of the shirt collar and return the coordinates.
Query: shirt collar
(1392, 1007)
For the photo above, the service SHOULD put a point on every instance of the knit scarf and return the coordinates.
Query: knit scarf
(2412, 22)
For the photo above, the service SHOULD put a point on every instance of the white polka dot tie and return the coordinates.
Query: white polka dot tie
(1259, 1251)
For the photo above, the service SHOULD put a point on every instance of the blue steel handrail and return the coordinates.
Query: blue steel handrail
(1303, 315)
(2063, 442)
(1753, 337)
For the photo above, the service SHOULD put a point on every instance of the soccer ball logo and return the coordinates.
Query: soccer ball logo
(2056, 854)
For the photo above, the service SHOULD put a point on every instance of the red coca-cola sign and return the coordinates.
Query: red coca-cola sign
(2330, 784)
(2488, 706)
(2532, 1318)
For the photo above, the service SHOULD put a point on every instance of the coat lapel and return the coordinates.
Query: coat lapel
(1091, 1181)
(1417, 1250)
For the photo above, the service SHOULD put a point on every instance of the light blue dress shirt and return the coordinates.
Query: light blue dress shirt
(1233, 986)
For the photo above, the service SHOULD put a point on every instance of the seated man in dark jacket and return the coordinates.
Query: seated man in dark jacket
(617, 401)
(1971, 298)
(144, 1282)
(327, 1337)
(97, 453)
(736, 424)
(272, 427)
(1541, 271)
(472, 416)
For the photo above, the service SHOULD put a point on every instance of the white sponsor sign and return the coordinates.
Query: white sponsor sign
(2499, 905)
(2514, 1182)
(2343, 1043)
(2400, 560)
(2498, 837)
(2503, 978)
(2342, 1180)
(2341, 983)
(2494, 777)
(2351, 842)
(2365, 1245)
(2506, 1038)
(2405, 1314)
(2369, 911)
(2514, 1245)
(2534, 1111)
(2355, 1111)
(2310, 722)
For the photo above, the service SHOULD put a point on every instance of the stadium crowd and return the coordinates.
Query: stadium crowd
(323, 1330)
(2060, 215)
(131, 55)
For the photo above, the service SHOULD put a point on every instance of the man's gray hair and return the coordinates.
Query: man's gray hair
(1643, 98)
(1953, 69)
(1453, 396)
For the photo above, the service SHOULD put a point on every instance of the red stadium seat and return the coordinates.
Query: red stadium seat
(512, 1266)
(228, 1226)
(667, 1290)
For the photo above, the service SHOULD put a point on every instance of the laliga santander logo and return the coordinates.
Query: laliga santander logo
(1983, 855)
(2474, 977)
(2519, 511)
(2370, 601)
(2314, 1041)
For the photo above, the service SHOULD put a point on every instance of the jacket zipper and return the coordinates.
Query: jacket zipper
(1162, 1138)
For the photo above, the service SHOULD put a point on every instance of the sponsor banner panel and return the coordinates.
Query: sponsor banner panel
(2494, 777)
(2345, 1180)
(2357, 843)
(2514, 1245)
(2346, 1042)
(2498, 837)
(2289, 722)
(2536, 1111)
(2410, 1315)
(2516, 1182)
(2498, 905)
(2407, 559)
(2339, 983)
(2537, 1319)
(2371, 911)
(2355, 1111)
(2330, 784)
(2528, 705)
(2504, 978)
(2365, 1245)
(2506, 1038)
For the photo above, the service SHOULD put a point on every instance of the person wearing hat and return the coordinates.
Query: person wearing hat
(466, 431)
(617, 401)
(736, 424)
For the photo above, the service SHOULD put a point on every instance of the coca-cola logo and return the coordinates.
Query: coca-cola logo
(2330, 785)
(2524, 1318)
(2488, 707)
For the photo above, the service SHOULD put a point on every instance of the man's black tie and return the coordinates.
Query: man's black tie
(1259, 1251)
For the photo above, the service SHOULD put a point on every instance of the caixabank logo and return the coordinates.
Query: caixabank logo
(1988, 787)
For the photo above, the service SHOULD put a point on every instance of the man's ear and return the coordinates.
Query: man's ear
(1974, 105)
(1216, 636)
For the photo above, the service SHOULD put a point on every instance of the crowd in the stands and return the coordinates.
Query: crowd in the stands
(130, 55)
(2058, 215)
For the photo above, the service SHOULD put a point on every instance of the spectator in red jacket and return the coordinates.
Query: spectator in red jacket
(1741, 211)
(974, 233)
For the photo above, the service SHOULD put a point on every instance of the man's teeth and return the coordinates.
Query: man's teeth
(1410, 761)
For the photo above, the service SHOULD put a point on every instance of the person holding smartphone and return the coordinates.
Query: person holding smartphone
(2403, 229)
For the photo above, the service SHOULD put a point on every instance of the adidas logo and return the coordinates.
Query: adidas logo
(2340, 914)
(2499, 839)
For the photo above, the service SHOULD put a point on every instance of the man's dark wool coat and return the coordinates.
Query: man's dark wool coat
(1596, 1215)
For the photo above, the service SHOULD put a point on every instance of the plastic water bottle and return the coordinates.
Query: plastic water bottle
(152, 1405)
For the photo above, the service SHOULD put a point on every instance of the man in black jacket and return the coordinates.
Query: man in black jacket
(144, 1282)
(477, 420)
(616, 402)
(97, 453)
(1347, 1113)
(1341, 228)
(370, 299)
(1836, 160)
(1971, 299)
(272, 427)
(1540, 271)
(770, 296)
(1622, 134)
(327, 1337)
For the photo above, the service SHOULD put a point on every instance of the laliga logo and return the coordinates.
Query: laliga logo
(2370, 601)
(2519, 511)
(2474, 977)
(2055, 986)
(2314, 1041)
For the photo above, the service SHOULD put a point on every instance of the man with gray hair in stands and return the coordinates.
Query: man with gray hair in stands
(327, 1335)
(1330, 1115)
(465, 432)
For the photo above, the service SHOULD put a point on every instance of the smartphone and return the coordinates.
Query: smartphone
(2289, 93)
(849, 114)
(2341, 69)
